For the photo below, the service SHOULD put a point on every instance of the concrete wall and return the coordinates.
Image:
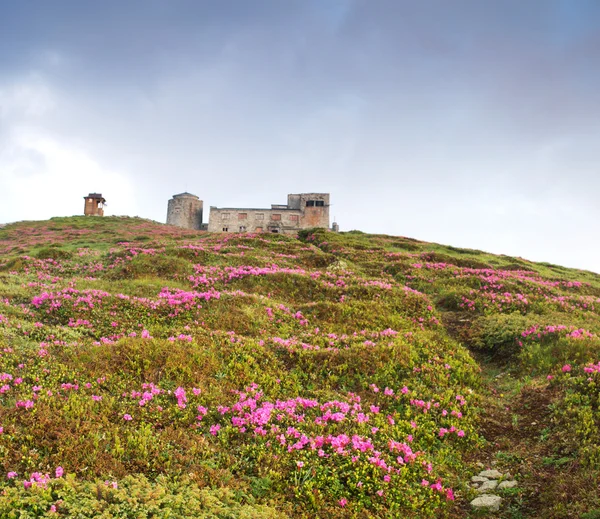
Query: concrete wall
(312, 215)
(185, 210)
(283, 221)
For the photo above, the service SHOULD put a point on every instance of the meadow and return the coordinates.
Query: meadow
(151, 371)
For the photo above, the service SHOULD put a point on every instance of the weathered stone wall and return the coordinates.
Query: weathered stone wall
(312, 215)
(185, 210)
(283, 221)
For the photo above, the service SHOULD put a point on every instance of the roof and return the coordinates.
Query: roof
(97, 196)
(252, 209)
(184, 195)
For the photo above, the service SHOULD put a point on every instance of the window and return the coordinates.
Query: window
(320, 203)
(310, 203)
(259, 216)
(275, 230)
(315, 203)
(293, 218)
(224, 216)
(242, 228)
(225, 229)
(276, 217)
(242, 216)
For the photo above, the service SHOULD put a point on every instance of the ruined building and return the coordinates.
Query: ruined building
(94, 205)
(185, 210)
(302, 211)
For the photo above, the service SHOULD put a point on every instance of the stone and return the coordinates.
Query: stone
(488, 485)
(491, 474)
(487, 502)
(479, 479)
(507, 484)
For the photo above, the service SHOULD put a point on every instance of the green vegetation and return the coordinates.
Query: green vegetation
(150, 371)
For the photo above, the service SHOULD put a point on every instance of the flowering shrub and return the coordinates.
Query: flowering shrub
(292, 377)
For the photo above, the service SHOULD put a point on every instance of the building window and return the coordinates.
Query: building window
(259, 216)
(293, 218)
(310, 203)
(315, 203)
(276, 217)
(225, 229)
(242, 228)
(320, 203)
(259, 229)
(242, 216)
(224, 216)
(275, 230)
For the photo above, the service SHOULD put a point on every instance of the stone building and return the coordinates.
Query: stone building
(302, 211)
(185, 210)
(94, 205)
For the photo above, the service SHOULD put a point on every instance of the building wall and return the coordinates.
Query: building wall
(185, 211)
(91, 207)
(316, 215)
(284, 221)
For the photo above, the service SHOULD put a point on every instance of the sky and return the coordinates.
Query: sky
(464, 122)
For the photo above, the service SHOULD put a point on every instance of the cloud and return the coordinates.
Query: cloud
(466, 122)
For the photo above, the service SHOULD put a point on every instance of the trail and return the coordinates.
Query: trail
(517, 423)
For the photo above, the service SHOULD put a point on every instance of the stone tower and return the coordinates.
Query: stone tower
(185, 210)
(94, 205)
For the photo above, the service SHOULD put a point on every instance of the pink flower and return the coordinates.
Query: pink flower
(127, 417)
(11, 475)
(214, 429)
(343, 502)
(299, 464)
(550, 377)
(59, 472)
(566, 368)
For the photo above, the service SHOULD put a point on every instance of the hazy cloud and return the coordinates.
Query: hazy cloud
(465, 122)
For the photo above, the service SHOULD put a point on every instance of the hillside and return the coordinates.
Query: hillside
(149, 371)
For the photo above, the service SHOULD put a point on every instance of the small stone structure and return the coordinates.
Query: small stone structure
(302, 211)
(185, 210)
(94, 205)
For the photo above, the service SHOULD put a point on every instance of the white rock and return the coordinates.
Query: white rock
(487, 502)
(488, 485)
(507, 484)
(478, 479)
(491, 474)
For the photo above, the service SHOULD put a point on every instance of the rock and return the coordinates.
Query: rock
(488, 485)
(480, 465)
(491, 474)
(478, 479)
(487, 502)
(507, 484)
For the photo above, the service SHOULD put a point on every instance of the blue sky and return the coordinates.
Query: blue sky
(463, 122)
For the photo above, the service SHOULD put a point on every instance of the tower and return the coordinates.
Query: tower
(94, 205)
(185, 210)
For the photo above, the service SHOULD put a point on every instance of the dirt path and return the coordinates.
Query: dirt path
(522, 440)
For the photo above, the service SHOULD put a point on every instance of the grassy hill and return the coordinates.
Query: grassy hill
(149, 371)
